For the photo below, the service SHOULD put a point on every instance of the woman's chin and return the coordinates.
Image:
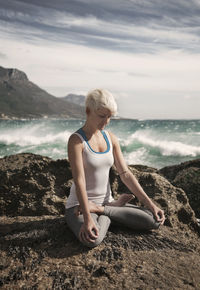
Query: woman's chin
(101, 127)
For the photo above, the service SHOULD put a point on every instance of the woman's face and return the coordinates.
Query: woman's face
(100, 117)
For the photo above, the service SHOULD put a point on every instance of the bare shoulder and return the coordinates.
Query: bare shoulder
(75, 149)
(113, 138)
(74, 140)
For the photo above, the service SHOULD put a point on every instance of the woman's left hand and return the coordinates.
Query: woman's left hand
(158, 213)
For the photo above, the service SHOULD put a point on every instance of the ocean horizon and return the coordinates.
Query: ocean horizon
(153, 142)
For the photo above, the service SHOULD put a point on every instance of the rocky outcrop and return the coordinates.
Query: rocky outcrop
(33, 185)
(186, 176)
(37, 248)
(171, 199)
(12, 74)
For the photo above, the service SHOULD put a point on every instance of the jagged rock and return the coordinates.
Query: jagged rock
(186, 176)
(170, 172)
(171, 199)
(42, 251)
(12, 74)
(33, 185)
(36, 185)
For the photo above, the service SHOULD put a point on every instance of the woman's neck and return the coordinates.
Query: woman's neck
(89, 129)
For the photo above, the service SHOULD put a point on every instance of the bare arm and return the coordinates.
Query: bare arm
(89, 230)
(131, 182)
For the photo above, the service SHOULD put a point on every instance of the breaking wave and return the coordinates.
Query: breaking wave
(165, 147)
(154, 143)
(32, 135)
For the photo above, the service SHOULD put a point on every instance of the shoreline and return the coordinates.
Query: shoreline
(57, 117)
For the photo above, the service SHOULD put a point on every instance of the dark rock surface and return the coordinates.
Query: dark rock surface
(171, 199)
(186, 176)
(33, 185)
(38, 251)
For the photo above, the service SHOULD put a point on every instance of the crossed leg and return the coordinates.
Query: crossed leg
(75, 222)
(134, 217)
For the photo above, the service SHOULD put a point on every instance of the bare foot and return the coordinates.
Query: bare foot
(93, 207)
(122, 200)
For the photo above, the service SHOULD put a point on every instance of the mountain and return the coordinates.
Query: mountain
(20, 98)
(75, 99)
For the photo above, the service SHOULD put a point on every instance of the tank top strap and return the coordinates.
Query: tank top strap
(107, 137)
(105, 134)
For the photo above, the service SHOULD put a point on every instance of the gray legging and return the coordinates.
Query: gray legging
(129, 215)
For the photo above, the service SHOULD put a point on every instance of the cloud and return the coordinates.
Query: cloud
(194, 96)
(187, 97)
(131, 26)
(3, 55)
(145, 52)
(70, 65)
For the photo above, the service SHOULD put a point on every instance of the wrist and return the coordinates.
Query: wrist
(100, 209)
(149, 203)
(87, 216)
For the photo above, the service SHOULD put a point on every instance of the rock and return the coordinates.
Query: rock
(38, 250)
(171, 199)
(170, 172)
(12, 74)
(42, 251)
(186, 176)
(33, 185)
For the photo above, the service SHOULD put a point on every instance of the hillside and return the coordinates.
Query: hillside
(20, 98)
(75, 99)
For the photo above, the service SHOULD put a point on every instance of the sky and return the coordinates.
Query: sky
(146, 52)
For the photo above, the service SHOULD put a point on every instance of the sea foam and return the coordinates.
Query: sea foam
(35, 135)
(165, 147)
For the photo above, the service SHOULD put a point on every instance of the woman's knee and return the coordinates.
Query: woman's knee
(152, 222)
(93, 244)
(147, 221)
(103, 225)
(155, 225)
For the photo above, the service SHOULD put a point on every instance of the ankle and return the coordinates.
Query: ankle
(100, 209)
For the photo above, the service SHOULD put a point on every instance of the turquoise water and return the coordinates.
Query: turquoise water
(156, 143)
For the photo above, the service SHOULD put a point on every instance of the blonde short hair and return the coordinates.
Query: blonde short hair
(101, 98)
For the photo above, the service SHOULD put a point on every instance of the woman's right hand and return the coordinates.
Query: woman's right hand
(88, 231)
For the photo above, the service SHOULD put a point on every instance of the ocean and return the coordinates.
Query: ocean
(155, 143)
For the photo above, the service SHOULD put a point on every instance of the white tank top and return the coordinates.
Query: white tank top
(96, 166)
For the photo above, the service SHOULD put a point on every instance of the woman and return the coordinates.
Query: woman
(92, 151)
